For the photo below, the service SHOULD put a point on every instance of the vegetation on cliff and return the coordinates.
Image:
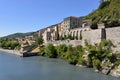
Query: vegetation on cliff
(90, 55)
(108, 12)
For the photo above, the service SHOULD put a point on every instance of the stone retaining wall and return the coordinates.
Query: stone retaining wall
(113, 34)
(67, 42)
(95, 36)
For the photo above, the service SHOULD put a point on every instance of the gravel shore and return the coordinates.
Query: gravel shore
(15, 52)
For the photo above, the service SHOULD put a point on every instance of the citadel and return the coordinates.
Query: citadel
(71, 27)
(74, 31)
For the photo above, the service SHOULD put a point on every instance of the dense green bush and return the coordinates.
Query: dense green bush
(9, 44)
(99, 52)
(72, 55)
(61, 49)
(96, 64)
(42, 51)
(77, 55)
(50, 51)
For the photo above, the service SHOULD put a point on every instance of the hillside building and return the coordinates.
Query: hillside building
(72, 26)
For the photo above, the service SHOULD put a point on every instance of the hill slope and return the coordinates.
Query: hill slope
(108, 12)
(17, 35)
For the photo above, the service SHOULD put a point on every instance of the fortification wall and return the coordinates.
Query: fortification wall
(93, 36)
(113, 34)
(67, 42)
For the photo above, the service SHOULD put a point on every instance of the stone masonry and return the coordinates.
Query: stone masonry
(76, 27)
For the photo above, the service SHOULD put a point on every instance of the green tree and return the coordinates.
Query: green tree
(42, 51)
(9, 44)
(14, 45)
(39, 41)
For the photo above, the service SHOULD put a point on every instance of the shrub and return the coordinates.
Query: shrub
(72, 55)
(96, 63)
(61, 49)
(98, 52)
(14, 45)
(9, 44)
(50, 51)
(42, 51)
(82, 61)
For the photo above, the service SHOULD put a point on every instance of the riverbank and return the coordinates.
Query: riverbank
(15, 52)
(21, 54)
(99, 57)
(111, 72)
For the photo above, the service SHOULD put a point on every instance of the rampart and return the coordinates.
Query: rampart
(93, 36)
(96, 36)
(113, 34)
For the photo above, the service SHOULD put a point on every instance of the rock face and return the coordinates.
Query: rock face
(115, 72)
(106, 66)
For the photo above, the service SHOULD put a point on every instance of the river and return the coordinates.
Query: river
(13, 67)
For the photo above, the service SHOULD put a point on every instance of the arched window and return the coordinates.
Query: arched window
(81, 35)
(74, 34)
(77, 35)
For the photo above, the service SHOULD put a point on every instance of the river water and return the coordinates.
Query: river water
(13, 67)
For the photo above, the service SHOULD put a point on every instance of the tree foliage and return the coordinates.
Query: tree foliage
(50, 51)
(39, 41)
(95, 54)
(108, 12)
(9, 44)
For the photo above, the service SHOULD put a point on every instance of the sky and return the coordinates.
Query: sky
(32, 15)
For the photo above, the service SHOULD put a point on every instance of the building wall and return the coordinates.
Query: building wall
(67, 42)
(72, 22)
(72, 25)
(113, 34)
(77, 32)
(95, 36)
(86, 23)
(92, 36)
(50, 34)
(46, 36)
